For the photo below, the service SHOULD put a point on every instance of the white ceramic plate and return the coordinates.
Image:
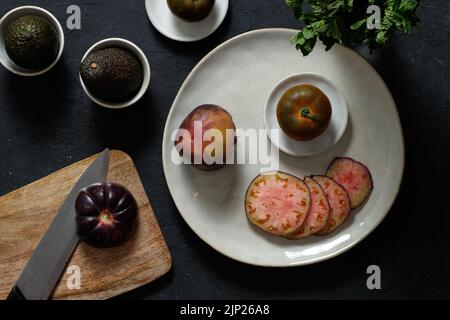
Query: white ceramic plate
(329, 138)
(177, 29)
(239, 75)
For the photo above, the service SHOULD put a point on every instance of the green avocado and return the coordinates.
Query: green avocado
(31, 42)
(112, 74)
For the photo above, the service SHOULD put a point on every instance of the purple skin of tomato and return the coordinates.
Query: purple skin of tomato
(356, 202)
(105, 214)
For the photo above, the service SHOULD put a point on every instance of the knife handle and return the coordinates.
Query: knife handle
(15, 294)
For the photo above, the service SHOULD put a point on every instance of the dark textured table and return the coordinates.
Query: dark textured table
(47, 123)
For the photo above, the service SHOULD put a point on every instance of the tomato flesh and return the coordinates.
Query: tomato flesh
(277, 203)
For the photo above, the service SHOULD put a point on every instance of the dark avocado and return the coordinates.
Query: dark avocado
(112, 74)
(31, 42)
(191, 10)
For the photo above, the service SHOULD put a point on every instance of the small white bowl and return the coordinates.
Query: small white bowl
(128, 45)
(13, 15)
(180, 30)
(336, 129)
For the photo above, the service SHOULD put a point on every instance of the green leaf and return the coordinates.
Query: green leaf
(383, 38)
(294, 3)
(333, 31)
(319, 26)
(407, 5)
(296, 6)
(343, 21)
(358, 24)
(308, 33)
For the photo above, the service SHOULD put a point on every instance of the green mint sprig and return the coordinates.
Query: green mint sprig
(345, 22)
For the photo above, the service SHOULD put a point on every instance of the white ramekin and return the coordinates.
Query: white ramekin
(121, 43)
(13, 15)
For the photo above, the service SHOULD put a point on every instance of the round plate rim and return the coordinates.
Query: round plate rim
(313, 260)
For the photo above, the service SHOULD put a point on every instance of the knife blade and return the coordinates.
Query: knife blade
(44, 268)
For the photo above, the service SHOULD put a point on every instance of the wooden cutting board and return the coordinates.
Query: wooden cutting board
(25, 215)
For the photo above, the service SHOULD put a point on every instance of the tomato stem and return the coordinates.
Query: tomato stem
(105, 217)
(305, 112)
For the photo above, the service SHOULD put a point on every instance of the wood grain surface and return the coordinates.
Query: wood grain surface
(26, 213)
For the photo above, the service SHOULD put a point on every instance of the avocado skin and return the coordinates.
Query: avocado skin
(112, 74)
(31, 42)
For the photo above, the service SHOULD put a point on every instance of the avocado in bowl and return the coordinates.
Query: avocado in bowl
(31, 42)
(115, 73)
(112, 74)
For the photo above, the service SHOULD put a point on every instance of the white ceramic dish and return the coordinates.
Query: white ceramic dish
(239, 75)
(122, 43)
(326, 140)
(177, 29)
(13, 15)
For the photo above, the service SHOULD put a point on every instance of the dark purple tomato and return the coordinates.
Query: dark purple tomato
(304, 112)
(105, 214)
(191, 10)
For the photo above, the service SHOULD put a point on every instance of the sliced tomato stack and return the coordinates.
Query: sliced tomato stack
(339, 203)
(318, 213)
(287, 206)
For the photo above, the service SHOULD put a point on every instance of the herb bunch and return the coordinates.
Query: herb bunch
(345, 22)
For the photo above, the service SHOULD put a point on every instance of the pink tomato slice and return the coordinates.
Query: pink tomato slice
(339, 203)
(318, 213)
(277, 202)
(354, 176)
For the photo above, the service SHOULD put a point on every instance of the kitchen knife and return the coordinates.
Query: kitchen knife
(44, 268)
